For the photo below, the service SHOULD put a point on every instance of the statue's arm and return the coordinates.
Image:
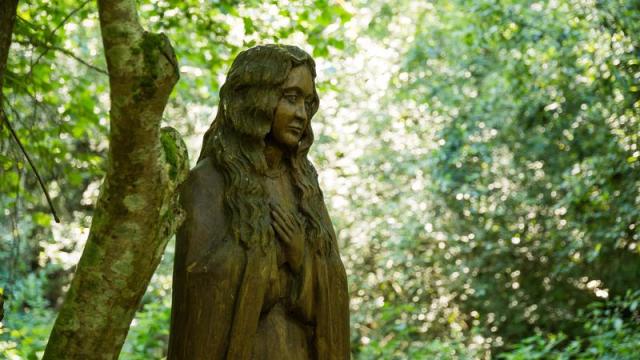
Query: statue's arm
(205, 225)
(305, 289)
(302, 294)
(335, 284)
(207, 271)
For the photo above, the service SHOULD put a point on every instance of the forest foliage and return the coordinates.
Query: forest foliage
(480, 161)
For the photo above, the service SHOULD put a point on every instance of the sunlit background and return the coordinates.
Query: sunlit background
(479, 160)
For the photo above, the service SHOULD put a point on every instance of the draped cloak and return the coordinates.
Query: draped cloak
(219, 286)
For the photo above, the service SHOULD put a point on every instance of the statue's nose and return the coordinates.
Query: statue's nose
(301, 111)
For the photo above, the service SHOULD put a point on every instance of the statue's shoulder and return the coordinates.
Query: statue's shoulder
(204, 228)
(204, 179)
(204, 188)
(201, 196)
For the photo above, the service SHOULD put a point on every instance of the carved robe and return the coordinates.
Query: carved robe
(230, 302)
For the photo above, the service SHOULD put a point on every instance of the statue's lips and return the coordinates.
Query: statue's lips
(295, 128)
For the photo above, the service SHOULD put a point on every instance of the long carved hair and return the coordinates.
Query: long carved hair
(235, 143)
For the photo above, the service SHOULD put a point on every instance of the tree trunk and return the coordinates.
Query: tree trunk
(7, 20)
(137, 209)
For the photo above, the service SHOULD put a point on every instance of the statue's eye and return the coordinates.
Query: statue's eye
(291, 98)
(308, 103)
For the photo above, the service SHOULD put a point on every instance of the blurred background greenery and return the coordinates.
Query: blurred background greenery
(480, 160)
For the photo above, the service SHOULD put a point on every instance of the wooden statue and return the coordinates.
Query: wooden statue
(257, 271)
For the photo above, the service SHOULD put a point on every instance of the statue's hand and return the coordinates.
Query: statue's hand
(291, 231)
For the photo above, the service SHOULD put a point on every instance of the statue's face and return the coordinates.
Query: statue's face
(291, 118)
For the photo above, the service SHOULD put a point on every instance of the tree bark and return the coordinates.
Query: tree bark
(7, 21)
(137, 210)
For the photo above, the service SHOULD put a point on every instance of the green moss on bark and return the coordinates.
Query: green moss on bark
(175, 154)
(150, 48)
(145, 169)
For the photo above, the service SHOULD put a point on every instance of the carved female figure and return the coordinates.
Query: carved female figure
(257, 272)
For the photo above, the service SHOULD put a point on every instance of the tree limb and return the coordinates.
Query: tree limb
(7, 20)
(137, 210)
(5, 121)
(34, 42)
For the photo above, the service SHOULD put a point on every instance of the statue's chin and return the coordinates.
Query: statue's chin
(286, 142)
(289, 144)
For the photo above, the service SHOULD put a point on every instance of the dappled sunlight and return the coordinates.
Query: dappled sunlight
(479, 161)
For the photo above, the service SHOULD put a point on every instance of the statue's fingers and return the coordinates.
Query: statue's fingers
(281, 232)
(287, 215)
(275, 212)
(299, 223)
(287, 220)
(277, 216)
(283, 225)
(275, 207)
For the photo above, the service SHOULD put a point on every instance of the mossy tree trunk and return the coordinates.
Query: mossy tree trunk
(137, 209)
(7, 20)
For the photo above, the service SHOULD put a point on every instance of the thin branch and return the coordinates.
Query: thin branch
(80, 60)
(5, 120)
(34, 42)
(51, 114)
(23, 86)
(31, 25)
(15, 233)
(50, 37)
